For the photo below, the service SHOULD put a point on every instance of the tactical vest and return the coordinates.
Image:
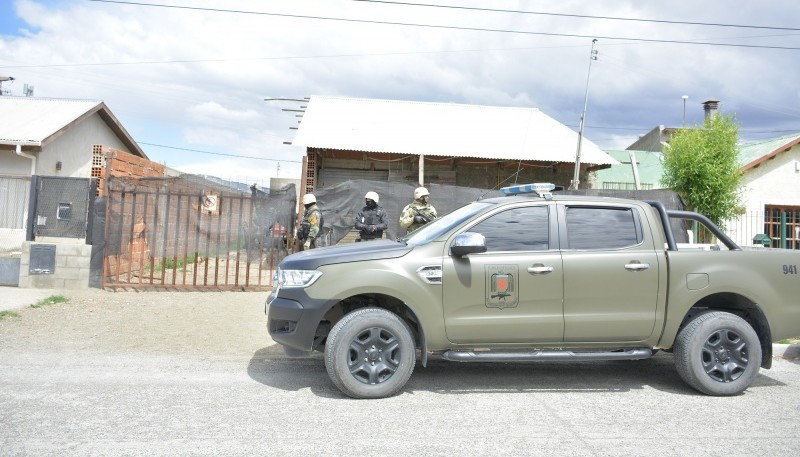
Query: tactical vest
(371, 217)
(305, 226)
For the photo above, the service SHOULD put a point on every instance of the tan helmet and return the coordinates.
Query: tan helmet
(309, 198)
(372, 196)
(420, 192)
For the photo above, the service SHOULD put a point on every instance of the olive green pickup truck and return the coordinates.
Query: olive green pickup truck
(535, 276)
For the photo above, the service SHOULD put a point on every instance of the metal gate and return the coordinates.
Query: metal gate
(158, 235)
(14, 195)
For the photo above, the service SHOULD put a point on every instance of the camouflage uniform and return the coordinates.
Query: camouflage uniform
(414, 212)
(312, 219)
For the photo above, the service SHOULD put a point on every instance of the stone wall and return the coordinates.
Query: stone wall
(71, 270)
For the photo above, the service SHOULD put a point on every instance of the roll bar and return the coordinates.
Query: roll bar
(666, 215)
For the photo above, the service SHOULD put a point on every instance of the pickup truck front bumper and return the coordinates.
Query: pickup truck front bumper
(294, 324)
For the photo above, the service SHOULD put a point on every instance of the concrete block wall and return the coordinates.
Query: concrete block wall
(71, 267)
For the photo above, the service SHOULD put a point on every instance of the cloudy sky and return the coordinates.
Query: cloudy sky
(188, 78)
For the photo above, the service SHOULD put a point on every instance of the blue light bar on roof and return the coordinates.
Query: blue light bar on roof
(539, 188)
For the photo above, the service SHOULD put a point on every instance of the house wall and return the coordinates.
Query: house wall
(13, 165)
(774, 182)
(74, 149)
(651, 141)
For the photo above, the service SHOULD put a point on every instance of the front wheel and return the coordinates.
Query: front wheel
(718, 353)
(370, 353)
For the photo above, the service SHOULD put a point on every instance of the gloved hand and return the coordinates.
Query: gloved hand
(419, 219)
(371, 229)
(307, 244)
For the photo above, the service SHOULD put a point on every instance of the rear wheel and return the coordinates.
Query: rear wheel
(370, 353)
(718, 353)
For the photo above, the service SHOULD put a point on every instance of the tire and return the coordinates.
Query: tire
(370, 353)
(718, 353)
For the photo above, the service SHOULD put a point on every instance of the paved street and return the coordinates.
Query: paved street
(168, 373)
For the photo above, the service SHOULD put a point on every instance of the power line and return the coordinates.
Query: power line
(322, 56)
(449, 27)
(584, 16)
(217, 153)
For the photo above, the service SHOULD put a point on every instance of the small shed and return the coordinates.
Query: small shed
(437, 143)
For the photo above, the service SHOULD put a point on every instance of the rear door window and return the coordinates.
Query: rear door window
(602, 228)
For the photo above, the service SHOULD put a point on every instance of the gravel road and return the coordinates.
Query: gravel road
(194, 373)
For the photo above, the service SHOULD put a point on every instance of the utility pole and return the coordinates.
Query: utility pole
(576, 176)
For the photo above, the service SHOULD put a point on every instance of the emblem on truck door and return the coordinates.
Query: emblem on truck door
(500, 288)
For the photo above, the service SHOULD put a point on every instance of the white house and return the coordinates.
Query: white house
(770, 191)
(57, 137)
(49, 137)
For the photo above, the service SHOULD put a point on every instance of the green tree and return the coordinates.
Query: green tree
(701, 165)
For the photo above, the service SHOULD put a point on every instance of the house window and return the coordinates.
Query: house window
(64, 211)
(772, 225)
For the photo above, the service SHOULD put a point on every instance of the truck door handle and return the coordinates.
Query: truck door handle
(540, 269)
(636, 266)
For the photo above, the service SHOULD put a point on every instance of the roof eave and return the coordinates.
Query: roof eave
(785, 148)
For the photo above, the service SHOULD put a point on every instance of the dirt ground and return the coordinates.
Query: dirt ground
(179, 323)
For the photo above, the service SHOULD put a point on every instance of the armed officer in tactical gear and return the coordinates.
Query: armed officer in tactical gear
(371, 219)
(419, 212)
(311, 224)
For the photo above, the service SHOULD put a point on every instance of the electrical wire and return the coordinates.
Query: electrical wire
(449, 27)
(217, 153)
(584, 16)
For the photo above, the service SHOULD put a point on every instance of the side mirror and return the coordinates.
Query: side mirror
(468, 243)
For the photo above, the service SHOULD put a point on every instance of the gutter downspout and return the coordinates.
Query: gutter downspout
(27, 156)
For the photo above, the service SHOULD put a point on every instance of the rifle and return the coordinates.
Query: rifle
(427, 217)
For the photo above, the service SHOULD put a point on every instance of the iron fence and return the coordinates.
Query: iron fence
(167, 234)
(745, 228)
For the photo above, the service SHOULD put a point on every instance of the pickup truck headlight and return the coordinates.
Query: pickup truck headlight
(295, 278)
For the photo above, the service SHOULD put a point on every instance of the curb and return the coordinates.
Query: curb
(785, 351)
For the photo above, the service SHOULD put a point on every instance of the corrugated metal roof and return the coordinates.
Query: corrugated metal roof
(649, 165)
(441, 129)
(753, 152)
(32, 120)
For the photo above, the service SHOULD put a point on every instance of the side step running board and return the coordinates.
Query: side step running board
(550, 355)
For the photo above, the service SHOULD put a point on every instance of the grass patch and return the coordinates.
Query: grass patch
(51, 300)
(794, 340)
(5, 314)
(172, 263)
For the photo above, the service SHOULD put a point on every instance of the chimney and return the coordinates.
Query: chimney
(710, 107)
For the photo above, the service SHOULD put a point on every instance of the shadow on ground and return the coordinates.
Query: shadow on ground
(271, 367)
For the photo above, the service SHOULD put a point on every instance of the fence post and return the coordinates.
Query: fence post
(31, 221)
(783, 229)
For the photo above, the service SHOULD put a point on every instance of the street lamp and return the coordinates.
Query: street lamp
(684, 109)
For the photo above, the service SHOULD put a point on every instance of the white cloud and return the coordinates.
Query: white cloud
(196, 79)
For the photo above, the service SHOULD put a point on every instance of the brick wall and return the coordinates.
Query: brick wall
(113, 162)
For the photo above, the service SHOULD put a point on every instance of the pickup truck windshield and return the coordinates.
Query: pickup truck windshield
(435, 229)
